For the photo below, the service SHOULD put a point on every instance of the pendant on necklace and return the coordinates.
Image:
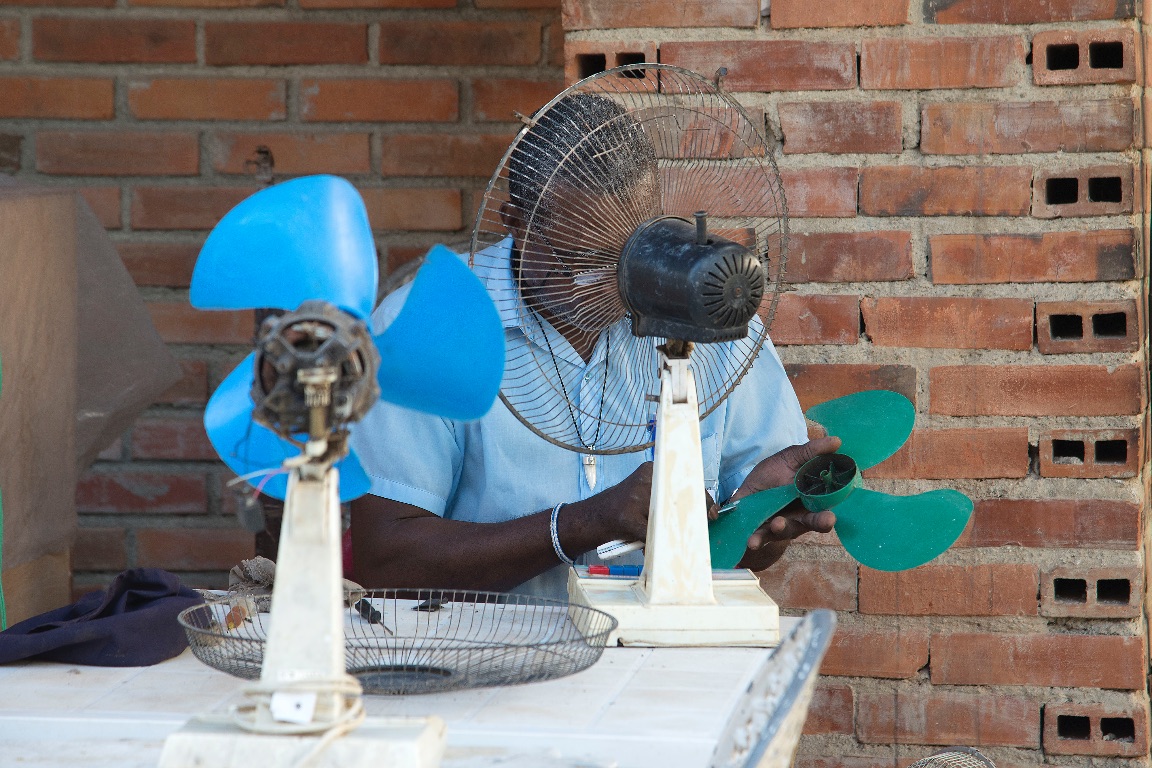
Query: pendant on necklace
(590, 469)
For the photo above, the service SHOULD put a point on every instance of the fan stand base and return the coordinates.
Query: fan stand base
(743, 615)
(215, 742)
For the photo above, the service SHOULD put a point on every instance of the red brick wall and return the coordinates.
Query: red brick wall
(928, 149)
(930, 146)
(155, 109)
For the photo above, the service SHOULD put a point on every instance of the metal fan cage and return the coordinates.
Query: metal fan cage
(425, 641)
(603, 157)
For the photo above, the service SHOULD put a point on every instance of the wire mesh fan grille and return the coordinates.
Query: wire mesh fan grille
(955, 757)
(426, 640)
(603, 157)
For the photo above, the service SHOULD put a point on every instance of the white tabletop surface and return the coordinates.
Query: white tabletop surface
(635, 707)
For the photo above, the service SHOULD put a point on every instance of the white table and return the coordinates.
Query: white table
(636, 707)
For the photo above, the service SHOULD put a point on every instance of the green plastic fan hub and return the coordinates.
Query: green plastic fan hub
(827, 480)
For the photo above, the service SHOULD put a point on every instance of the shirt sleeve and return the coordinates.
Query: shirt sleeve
(411, 457)
(763, 417)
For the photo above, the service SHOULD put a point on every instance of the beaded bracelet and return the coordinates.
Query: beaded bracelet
(556, 536)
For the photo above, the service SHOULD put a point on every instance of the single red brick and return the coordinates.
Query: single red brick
(442, 154)
(292, 153)
(809, 319)
(769, 66)
(1112, 730)
(119, 40)
(1024, 11)
(583, 58)
(1092, 593)
(117, 153)
(515, 4)
(945, 454)
(1091, 523)
(63, 3)
(460, 43)
(610, 14)
(171, 439)
(991, 589)
(1099, 190)
(949, 322)
(280, 43)
(159, 263)
(192, 549)
(100, 549)
(819, 382)
(104, 202)
(1058, 257)
(414, 209)
(1064, 661)
(133, 492)
(792, 14)
(202, 98)
(183, 207)
(831, 710)
(886, 653)
(192, 388)
(377, 4)
(379, 101)
(210, 3)
(987, 128)
(948, 191)
(948, 718)
(9, 39)
(811, 584)
(179, 323)
(820, 192)
(67, 97)
(842, 127)
(496, 100)
(1090, 453)
(1023, 390)
(1087, 326)
(941, 62)
(1051, 60)
(849, 257)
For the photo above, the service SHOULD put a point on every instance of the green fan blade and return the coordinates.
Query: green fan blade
(728, 534)
(871, 425)
(895, 533)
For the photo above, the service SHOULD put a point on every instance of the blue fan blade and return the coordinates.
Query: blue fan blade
(308, 238)
(895, 533)
(444, 352)
(246, 446)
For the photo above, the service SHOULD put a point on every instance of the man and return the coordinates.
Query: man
(472, 505)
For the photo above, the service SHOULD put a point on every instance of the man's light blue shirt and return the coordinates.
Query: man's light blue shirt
(496, 469)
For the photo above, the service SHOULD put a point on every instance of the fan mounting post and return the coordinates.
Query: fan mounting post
(678, 600)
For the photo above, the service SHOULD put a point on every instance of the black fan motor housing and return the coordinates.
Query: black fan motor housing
(679, 281)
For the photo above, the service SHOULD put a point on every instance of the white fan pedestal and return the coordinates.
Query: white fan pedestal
(303, 666)
(678, 601)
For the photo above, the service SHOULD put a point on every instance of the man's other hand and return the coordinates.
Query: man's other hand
(767, 543)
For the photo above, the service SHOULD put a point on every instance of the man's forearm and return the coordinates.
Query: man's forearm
(398, 545)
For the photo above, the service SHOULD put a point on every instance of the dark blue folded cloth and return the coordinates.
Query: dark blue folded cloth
(131, 624)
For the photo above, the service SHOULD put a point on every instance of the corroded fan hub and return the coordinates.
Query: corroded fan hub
(827, 480)
(294, 349)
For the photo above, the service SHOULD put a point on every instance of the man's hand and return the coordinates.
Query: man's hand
(621, 512)
(767, 543)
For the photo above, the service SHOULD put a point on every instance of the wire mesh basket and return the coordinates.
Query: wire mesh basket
(421, 641)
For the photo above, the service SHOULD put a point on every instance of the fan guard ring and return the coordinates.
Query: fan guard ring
(707, 154)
